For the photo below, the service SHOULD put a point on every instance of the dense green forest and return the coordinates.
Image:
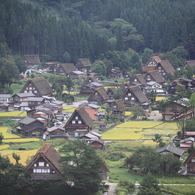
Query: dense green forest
(91, 28)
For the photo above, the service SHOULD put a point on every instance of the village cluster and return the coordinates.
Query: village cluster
(35, 98)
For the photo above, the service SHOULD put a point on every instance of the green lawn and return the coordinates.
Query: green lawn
(179, 190)
(117, 174)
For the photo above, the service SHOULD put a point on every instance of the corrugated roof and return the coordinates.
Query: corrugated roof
(172, 149)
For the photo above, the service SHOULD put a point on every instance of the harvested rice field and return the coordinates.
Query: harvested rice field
(141, 130)
(4, 131)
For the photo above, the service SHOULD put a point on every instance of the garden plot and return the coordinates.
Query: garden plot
(6, 135)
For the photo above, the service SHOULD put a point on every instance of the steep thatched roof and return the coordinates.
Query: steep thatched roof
(120, 105)
(156, 76)
(32, 59)
(83, 62)
(68, 67)
(167, 67)
(101, 91)
(41, 85)
(48, 152)
(81, 112)
(138, 93)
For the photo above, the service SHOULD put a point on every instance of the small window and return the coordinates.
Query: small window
(76, 117)
(129, 94)
(41, 164)
(35, 165)
(132, 98)
(79, 122)
(73, 122)
(135, 79)
(114, 106)
(126, 98)
(47, 165)
(193, 159)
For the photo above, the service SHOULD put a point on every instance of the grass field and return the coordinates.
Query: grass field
(13, 114)
(6, 135)
(144, 130)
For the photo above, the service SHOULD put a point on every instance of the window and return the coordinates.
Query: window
(73, 122)
(129, 94)
(79, 122)
(126, 98)
(193, 159)
(132, 98)
(41, 170)
(114, 106)
(35, 91)
(47, 165)
(35, 165)
(135, 79)
(41, 164)
(76, 117)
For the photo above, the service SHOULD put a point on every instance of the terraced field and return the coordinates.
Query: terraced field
(140, 130)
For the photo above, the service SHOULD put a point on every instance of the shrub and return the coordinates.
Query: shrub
(115, 156)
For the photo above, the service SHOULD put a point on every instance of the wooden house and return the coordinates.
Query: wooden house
(111, 91)
(170, 149)
(183, 82)
(83, 64)
(151, 64)
(134, 95)
(4, 98)
(35, 101)
(124, 86)
(65, 69)
(21, 97)
(76, 74)
(44, 165)
(155, 87)
(98, 96)
(56, 132)
(38, 86)
(31, 60)
(118, 108)
(154, 76)
(190, 163)
(176, 110)
(114, 73)
(52, 66)
(30, 126)
(138, 79)
(89, 88)
(190, 63)
(90, 79)
(127, 75)
(97, 144)
(79, 123)
(165, 68)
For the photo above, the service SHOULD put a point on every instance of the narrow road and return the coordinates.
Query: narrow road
(111, 190)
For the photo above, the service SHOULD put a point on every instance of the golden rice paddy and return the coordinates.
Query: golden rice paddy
(6, 135)
(13, 114)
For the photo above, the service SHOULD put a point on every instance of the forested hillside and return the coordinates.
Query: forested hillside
(91, 28)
